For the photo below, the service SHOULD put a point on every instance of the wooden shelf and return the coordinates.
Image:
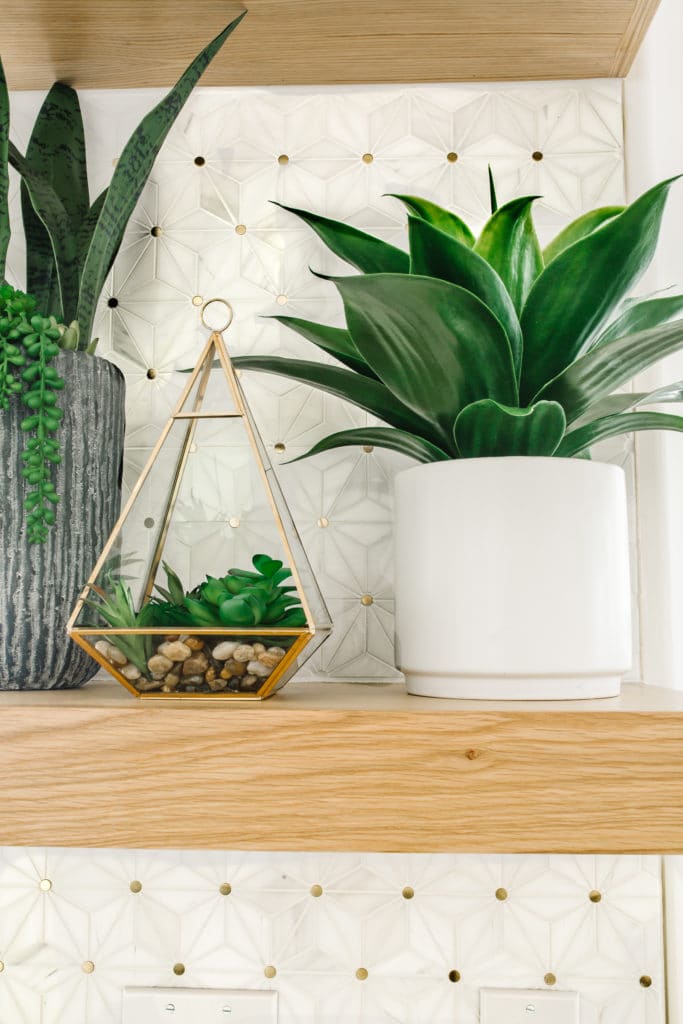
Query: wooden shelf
(327, 766)
(126, 43)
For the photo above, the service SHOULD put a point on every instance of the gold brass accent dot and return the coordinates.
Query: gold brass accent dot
(225, 888)
(193, 449)
(537, 155)
(550, 978)
(234, 522)
(454, 976)
(368, 448)
(280, 447)
(45, 885)
(269, 971)
(151, 373)
(240, 229)
(316, 890)
(199, 161)
(645, 981)
(179, 969)
(366, 600)
(323, 522)
(197, 300)
(2, 966)
(156, 231)
(408, 892)
(452, 157)
(135, 886)
(594, 896)
(501, 894)
(281, 299)
(367, 158)
(115, 161)
(283, 159)
(361, 974)
(87, 967)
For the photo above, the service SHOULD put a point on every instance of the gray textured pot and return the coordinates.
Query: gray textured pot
(40, 583)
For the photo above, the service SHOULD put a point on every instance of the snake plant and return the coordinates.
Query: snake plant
(490, 346)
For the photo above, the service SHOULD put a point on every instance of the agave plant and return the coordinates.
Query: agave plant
(469, 347)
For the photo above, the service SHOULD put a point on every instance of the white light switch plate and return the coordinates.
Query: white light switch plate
(528, 1006)
(198, 1006)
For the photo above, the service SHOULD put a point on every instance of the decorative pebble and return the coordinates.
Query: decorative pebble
(217, 684)
(191, 682)
(196, 665)
(144, 685)
(175, 650)
(255, 668)
(172, 637)
(235, 668)
(259, 649)
(171, 681)
(243, 652)
(210, 674)
(224, 650)
(194, 643)
(272, 657)
(159, 665)
(111, 653)
(247, 682)
(131, 672)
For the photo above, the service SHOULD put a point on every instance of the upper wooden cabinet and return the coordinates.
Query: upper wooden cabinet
(138, 43)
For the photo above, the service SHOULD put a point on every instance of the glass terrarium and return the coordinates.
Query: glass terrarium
(203, 589)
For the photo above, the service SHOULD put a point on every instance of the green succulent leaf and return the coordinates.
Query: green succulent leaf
(435, 346)
(4, 172)
(266, 566)
(577, 292)
(578, 229)
(641, 315)
(380, 437)
(366, 253)
(437, 216)
(493, 200)
(509, 243)
(370, 395)
(336, 341)
(582, 438)
(129, 178)
(623, 401)
(436, 254)
(486, 428)
(175, 587)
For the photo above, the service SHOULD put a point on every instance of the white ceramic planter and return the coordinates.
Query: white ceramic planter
(513, 579)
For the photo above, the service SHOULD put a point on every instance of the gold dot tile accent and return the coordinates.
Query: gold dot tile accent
(408, 892)
(87, 967)
(323, 522)
(149, 522)
(283, 159)
(550, 978)
(594, 896)
(452, 157)
(501, 894)
(280, 447)
(361, 974)
(316, 890)
(645, 981)
(193, 449)
(368, 448)
(179, 969)
(156, 231)
(225, 888)
(197, 300)
(240, 229)
(234, 522)
(366, 600)
(454, 976)
(270, 971)
(281, 299)
(151, 373)
(115, 161)
(2, 966)
(45, 885)
(537, 155)
(135, 886)
(367, 158)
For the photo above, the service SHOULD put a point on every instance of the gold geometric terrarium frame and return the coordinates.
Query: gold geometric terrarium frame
(296, 639)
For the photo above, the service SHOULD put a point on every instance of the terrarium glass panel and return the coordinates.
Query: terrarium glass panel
(204, 588)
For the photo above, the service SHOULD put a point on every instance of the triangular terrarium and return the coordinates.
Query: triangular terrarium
(203, 588)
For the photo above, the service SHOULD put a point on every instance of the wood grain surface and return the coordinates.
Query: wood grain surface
(126, 43)
(343, 767)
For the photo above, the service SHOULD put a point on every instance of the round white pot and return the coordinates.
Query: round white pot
(513, 579)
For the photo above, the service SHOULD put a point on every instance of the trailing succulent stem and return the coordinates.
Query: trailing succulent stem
(481, 346)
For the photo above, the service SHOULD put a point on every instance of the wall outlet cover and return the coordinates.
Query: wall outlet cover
(528, 1006)
(198, 1006)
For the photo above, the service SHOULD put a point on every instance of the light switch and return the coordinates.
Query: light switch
(528, 1006)
(198, 1006)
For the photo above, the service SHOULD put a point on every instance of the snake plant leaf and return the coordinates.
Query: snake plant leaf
(369, 395)
(486, 429)
(4, 172)
(336, 341)
(88, 224)
(509, 243)
(436, 215)
(582, 438)
(434, 345)
(50, 209)
(381, 437)
(601, 371)
(577, 292)
(130, 175)
(578, 229)
(366, 253)
(640, 316)
(41, 269)
(436, 254)
(493, 199)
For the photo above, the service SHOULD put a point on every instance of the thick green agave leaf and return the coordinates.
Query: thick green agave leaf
(366, 253)
(367, 394)
(602, 370)
(129, 178)
(577, 292)
(623, 401)
(487, 428)
(493, 199)
(578, 229)
(381, 437)
(436, 215)
(4, 172)
(582, 438)
(436, 254)
(509, 243)
(336, 341)
(435, 346)
(641, 315)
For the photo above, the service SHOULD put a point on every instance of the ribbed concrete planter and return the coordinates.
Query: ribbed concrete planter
(39, 584)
